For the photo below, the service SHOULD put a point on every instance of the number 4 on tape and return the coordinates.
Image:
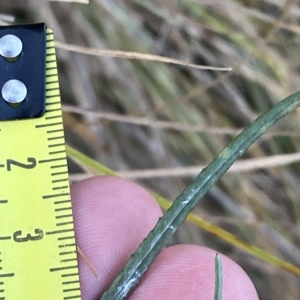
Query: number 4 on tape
(38, 258)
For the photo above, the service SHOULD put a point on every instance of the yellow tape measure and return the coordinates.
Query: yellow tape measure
(38, 258)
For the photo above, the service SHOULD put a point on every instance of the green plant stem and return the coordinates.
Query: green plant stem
(219, 277)
(157, 239)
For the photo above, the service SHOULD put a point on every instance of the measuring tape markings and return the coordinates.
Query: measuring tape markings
(58, 225)
(52, 93)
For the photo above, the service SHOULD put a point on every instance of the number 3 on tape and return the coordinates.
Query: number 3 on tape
(38, 258)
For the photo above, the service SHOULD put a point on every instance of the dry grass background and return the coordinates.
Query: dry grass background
(151, 121)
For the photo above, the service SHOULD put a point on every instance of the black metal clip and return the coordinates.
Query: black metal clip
(22, 71)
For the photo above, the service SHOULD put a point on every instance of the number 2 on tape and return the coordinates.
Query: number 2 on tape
(38, 259)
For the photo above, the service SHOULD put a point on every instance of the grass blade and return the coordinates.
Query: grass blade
(157, 239)
(219, 277)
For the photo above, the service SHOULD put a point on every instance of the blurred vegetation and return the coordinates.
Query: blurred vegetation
(137, 115)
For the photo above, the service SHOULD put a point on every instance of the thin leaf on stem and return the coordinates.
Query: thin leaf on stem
(157, 239)
(219, 277)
